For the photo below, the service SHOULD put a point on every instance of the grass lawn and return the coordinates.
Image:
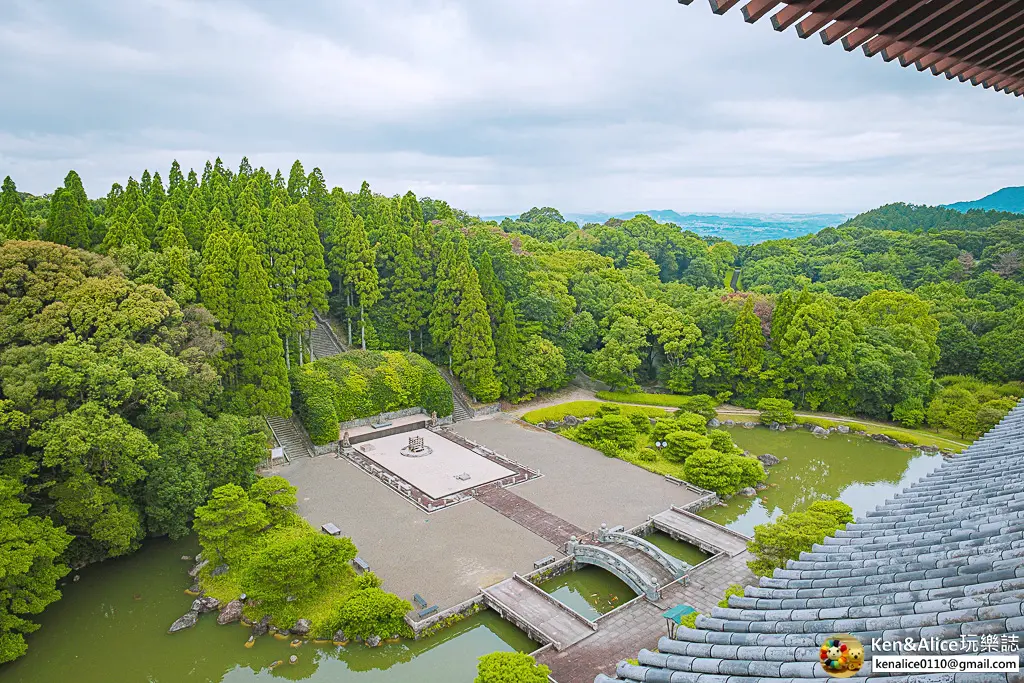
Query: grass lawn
(581, 409)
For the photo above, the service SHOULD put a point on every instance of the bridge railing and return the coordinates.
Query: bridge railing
(676, 568)
(621, 567)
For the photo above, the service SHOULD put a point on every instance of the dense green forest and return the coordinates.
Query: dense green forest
(142, 333)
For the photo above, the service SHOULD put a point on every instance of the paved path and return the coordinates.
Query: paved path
(642, 561)
(703, 533)
(558, 624)
(551, 528)
(639, 624)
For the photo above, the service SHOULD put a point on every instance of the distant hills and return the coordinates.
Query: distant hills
(738, 228)
(1007, 199)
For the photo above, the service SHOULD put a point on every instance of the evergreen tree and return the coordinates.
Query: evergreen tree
(408, 291)
(9, 200)
(748, 344)
(168, 218)
(145, 184)
(179, 257)
(19, 227)
(410, 211)
(319, 200)
(217, 278)
(114, 198)
(491, 289)
(312, 282)
(175, 179)
(70, 218)
(358, 276)
(285, 263)
(447, 289)
(125, 232)
(297, 182)
(472, 343)
(132, 196)
(250, 220)
(365, 204)
(508, 347)
(147, 221)
(782, 315)
(193, 223)
(262, 375)
(192, 181)
(157, 196)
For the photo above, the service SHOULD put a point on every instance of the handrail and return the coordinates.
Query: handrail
(672, 565)
(620, 566)
(457, 392)
(519, 616)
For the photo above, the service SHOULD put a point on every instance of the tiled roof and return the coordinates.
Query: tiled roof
(944, 559)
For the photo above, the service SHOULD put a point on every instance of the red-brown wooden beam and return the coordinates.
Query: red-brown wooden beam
(723, 6)
(755, 9)
(909, 57)
(840, 28)
(985, 40)
(788, 16)
(862, 35)
(904, 37)
(810, 25)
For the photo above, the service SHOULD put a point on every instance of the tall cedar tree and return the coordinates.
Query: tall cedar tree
(748, 344)
(472, 343)
(297, 182)
(312, 282)
(175, 178)
(9, 200)
(351, 259)
(262, 375)
(157, 194)
(124, 232)
(70, 219)
(217, 281)
(193, 222)
(408, 291)
(284, 272)
(491, 289)
(447, 290)
(168, 218)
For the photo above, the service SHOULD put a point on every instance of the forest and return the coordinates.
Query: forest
(143, 333)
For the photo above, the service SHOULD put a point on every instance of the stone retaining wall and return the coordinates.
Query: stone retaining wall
(463, 609)
(388, 431)
(560, 566)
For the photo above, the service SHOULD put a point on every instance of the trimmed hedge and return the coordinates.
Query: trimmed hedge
(583, 409)
(363, 383)
(702, 404)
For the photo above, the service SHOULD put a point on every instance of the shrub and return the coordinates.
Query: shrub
(583, 409)
(751, 471)
(714, 471)
(647, 455)
(785, 538)
(510, 667)
(367, 580)
(372, 612)
(277, 496)
(689, 620)
(733, 589)
(692, 422)
(617, 429)
(721, 441)
(315, 405)
(701, 404)
(296, 566)
(365, 383)
(682, 444)
(909, 411)
(775, 410)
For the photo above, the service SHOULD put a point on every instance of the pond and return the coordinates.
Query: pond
(111, 626)
(854, 469)
(590, 591)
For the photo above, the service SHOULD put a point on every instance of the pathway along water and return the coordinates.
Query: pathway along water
(111, 625)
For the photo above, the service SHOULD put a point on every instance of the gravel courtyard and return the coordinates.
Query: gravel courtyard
(446, 556)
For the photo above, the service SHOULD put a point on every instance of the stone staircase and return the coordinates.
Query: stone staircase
(460, 403)
(291, 437)
(323, 341)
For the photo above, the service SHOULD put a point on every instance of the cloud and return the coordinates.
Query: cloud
(584, 105)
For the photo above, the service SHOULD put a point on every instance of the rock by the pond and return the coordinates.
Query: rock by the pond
(194, 589)
(819, 431)
(262, 627)
(293, 659)
(186, 558)
(373, 641)
(219, 569)
(749, 425)
(843, 429)
(728, 423)
(339, 636)
(748, 491)
(782, 428)
(882, 438)
(231, 613)
(194, 572)
(187, 620)
(767, 459)
(76, 579)
(205, 604)
(774, 426)
(570, 421)
(713, 422)
(301, 627)
(761, 487)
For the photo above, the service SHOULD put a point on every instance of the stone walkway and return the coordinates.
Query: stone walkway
(551, 528)
(707, 535)
(639, 624)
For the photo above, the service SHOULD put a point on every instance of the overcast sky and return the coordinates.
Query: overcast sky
(496, 106)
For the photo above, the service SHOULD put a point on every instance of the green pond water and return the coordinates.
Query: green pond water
(111, 626)
(854, 469)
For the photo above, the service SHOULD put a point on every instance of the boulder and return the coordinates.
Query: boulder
(782, 428)
(194, 572)
(187, 620)
(713, 422)
(774, 426)
(882, 438)
(301, 627)
(293, 659)
(205, 604)
(339, 636)
(262, 627)
(194, 589)
(219, 569)
(231, 613)
(728, 423)
(819, 431)
(748, 492)
(373, 641)
(570, 421)
(843, 429)
(767, 459)
(749, 425)
(186, 558)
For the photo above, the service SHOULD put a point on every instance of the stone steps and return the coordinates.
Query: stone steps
(322, 343)
(290, 437)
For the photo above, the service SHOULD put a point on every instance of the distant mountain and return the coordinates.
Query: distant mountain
(738, 228)
(1007, 199)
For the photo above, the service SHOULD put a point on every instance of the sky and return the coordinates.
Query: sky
(585, 105)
